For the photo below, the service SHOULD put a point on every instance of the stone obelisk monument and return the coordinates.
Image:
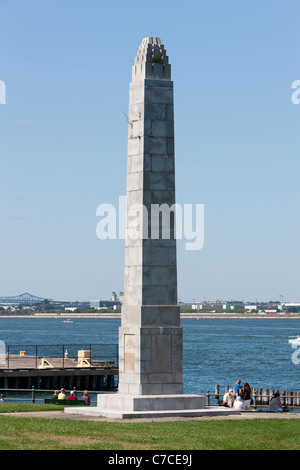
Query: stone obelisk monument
(150, 340)
(150, 336)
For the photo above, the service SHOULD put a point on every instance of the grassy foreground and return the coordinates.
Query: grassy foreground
(11, 407)
(21, 433)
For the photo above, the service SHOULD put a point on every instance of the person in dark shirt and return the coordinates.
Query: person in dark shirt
(247, 395)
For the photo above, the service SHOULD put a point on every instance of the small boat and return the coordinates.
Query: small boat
(68, 321)
(295, 340)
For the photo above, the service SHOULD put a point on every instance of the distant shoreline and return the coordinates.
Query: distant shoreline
(200, 316)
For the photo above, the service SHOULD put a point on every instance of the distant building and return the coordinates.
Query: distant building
(114, 296)
(71, 304)
(290, 306)
(235, 304)
(197, 306)
(218, 305)
(105, 304)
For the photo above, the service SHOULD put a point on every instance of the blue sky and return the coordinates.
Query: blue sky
(63, 142)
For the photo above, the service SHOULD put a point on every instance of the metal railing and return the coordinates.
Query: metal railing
(34, 395)
(260, 397)
(65, 356)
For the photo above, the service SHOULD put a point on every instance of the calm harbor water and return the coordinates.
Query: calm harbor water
(215, 351)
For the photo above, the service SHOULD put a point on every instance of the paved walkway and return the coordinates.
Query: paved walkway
(62, 415)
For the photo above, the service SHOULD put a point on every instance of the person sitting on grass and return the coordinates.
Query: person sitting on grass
(276, 405)
(238, 403)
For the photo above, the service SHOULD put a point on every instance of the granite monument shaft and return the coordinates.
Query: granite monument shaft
(150, 339)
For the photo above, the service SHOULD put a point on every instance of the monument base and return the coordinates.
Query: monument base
(150, 406)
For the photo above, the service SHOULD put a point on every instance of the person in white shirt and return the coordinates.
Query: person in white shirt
(238, 403)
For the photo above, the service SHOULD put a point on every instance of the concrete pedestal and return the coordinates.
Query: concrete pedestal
(150, 406)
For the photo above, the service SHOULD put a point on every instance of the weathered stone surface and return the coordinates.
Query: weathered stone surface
(150, 336)
(150, 306)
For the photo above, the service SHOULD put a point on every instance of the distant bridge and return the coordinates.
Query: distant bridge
(25, 298)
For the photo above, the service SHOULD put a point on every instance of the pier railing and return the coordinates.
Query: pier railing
(35, 395)
(66, 356)
(260, 397)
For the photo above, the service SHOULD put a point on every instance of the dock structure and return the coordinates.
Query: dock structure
(21, 371)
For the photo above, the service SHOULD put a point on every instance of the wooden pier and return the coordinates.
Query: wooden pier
(52, 373)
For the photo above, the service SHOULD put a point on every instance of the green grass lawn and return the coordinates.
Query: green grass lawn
(21, 433)
(15, 407)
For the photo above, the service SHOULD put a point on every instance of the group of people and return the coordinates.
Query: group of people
(240, 398)
(62, 396)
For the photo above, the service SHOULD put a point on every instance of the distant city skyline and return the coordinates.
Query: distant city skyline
(27, 297)
(66, 69)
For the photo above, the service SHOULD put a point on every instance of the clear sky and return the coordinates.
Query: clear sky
(63, 142)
